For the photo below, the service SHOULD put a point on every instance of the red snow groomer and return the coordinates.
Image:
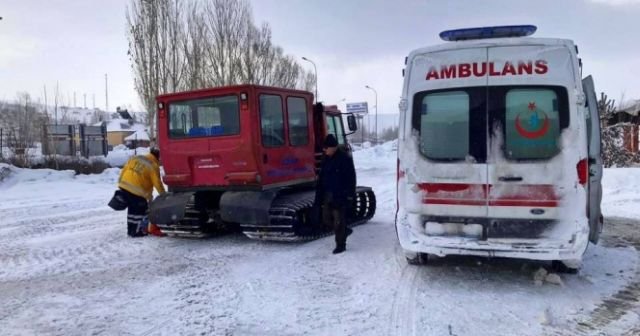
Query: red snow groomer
(246, 156)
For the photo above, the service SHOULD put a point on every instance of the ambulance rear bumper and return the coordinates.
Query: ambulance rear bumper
(530, 248)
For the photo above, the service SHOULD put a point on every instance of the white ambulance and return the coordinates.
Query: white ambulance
(498, 149)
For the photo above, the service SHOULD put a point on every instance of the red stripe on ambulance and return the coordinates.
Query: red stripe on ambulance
(491, 195)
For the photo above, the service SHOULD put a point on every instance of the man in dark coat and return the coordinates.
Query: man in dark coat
(336, 190)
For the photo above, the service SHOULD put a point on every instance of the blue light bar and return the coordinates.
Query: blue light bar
(487, 32)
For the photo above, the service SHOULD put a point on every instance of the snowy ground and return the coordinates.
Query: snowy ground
(67, 268)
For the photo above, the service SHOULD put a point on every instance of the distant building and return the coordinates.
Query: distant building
(119, 129)
(138, 139)
(629, 117)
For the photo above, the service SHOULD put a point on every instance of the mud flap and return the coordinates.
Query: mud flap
(169, 208)
(245, 207)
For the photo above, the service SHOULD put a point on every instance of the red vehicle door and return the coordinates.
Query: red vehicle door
(285, 132)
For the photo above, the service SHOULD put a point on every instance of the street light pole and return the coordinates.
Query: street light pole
(376, 123)
(315, 71)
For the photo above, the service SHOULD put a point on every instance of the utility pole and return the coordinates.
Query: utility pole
(315, 71)
(46, 110)
(376, 123)
(55, 98)
(106, 93)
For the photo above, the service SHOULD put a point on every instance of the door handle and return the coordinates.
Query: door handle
(510, 178)
(265, 159)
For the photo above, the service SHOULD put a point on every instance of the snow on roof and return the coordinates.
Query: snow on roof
(632, 108)
(120, 125)
(138, 135)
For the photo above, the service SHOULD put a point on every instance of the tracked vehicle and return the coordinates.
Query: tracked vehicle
(246, 157)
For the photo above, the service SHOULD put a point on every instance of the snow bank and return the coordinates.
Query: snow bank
(15, 175)
(620, 196)
(120, 154)
(11, 176)
(384, 155)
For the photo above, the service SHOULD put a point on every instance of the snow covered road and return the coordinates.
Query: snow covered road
(67, 268)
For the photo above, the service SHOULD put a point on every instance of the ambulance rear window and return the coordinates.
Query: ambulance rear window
(532, 124)
(523, 122)
(444, 125)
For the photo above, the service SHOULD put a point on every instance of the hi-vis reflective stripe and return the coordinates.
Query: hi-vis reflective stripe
(145, 161)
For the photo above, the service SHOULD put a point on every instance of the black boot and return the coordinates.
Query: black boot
(339, 249)
(132, 229)
(349, 232)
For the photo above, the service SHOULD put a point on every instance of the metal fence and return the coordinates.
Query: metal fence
(64, 140)
(59, 140)
(93, 140)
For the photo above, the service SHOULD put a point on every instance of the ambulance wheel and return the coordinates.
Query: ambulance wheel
(565, 266)
(417, 258)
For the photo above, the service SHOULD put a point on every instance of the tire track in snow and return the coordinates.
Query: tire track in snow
(403, 318)
(624, 300)
(203, 299)
(47, 208)
(47, 225)
(14, 243)
(330, 302)
(85, 250)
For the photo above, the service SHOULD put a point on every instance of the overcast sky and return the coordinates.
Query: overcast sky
(353, 43)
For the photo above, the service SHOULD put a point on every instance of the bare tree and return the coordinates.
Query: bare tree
(307, 82)
(155, 30)
(194, 47)
(176, 45)
(27, 132)
(227, 22)
(614, 152)
(56, 100)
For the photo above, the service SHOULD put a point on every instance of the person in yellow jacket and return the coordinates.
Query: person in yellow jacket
(137, 179)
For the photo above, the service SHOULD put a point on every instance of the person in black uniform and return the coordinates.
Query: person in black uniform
(336, 190)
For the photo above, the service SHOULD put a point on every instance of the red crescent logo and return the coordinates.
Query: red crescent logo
(533, 134)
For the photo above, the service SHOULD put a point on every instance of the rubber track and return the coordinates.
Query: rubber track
(287, 211)
(189, 227)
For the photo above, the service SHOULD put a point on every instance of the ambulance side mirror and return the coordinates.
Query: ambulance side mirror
(351, 122)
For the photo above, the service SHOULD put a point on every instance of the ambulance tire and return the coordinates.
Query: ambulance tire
(560, 266)
(417, 258)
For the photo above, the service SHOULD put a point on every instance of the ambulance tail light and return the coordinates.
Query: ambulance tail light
(487, 32)
(583, 171)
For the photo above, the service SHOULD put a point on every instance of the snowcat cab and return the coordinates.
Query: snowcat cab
(246, 156)
(499, 149)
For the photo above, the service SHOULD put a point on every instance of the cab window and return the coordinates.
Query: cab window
(339, 129)
(334, 126)
(271, 121)
(298, 121)
(215, 116)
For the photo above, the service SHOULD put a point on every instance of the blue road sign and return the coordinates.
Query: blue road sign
(358, 108)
